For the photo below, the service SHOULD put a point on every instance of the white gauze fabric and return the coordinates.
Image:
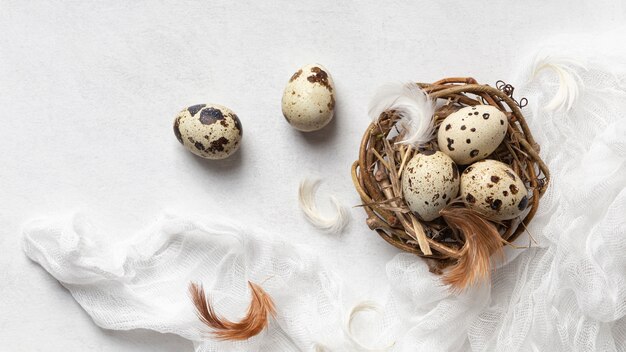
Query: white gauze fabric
(567, 292)
(142, 283)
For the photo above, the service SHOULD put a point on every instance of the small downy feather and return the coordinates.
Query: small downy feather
(306, 198)
(255, 320)
(570, 83)
(320, 348)
(482, 241)
(363, 306)
(414, 107)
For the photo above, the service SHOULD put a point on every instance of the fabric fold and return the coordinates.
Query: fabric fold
(142, 282)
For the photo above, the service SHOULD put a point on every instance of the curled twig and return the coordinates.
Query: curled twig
(508, 90)
(255, 320)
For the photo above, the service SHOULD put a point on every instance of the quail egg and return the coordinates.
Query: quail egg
(472, 133)
(210, 131)
(430, 181)
(493, 189)
(308, 101)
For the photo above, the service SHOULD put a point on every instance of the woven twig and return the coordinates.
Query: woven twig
(377, 172)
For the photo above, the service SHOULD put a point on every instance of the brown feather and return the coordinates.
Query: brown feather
(255, 320)
(482, 240)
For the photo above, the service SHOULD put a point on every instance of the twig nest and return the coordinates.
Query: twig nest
(210, 131)
(430, 181)
(472, 133)
(308, 101)
(494, 190)
(497, 199)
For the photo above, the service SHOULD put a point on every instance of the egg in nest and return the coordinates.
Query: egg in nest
(430, 181)
(493, 189)
(472, 133)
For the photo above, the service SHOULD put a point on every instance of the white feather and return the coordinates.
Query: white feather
(306, 198)
(570, 83)
(414, 107)
(363, 306)
(317, 347)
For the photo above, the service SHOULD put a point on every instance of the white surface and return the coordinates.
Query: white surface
(89, 92)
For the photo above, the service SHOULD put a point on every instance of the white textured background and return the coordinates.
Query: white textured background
(88, 92)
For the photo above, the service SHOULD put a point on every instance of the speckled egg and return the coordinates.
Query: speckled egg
(209, 130)
(472, 133)
(493, 189)
(430, 181)
(309, 100)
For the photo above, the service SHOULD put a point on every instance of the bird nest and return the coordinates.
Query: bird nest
(377, 178)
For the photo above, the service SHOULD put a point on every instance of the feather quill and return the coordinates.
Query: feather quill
(412, 105)
(256, 319)
(570, 82)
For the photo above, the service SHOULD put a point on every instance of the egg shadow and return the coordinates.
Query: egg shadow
(221, 166)
(328, 134)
